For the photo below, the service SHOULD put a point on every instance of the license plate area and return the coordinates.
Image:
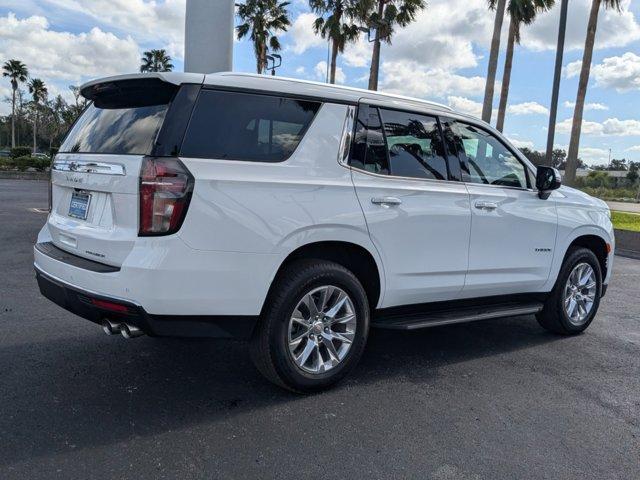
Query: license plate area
(79, 205)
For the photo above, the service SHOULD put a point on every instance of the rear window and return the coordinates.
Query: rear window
(243, 126)
(116, 130)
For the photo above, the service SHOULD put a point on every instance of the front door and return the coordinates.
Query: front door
(418, 219)
(513, 231)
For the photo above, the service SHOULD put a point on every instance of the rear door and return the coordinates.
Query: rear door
(95, 175)
(417, 214)
(513, 231)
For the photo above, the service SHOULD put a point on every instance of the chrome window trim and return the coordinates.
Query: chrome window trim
(80, 166)
(415, 179)
(346, 137)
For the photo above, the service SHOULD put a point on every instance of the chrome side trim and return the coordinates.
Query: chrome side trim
(79, 166)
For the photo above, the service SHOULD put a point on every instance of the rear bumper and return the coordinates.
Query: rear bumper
(97, 308)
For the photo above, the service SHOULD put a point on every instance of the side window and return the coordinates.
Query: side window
(486, 160)
(243, 126)
(368, 151)
(414, 144)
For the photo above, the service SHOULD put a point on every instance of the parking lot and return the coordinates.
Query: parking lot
(488, 400)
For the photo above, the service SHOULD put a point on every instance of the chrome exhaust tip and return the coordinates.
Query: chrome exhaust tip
(130, 331)
(110, 328)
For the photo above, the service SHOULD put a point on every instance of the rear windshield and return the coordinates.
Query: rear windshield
(115, 130)
(245, 126)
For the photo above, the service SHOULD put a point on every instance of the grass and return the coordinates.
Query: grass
(626, 221)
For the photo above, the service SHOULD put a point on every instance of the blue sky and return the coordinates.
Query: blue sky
(441, 57)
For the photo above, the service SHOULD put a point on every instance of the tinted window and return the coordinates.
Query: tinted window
(115, 130)
(414, 144)
(484, 159)
(369, 151)
(242, 126)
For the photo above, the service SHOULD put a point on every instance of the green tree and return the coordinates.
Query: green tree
(574, 142)
(384, 18)
(156, 61)
(261, 20)
(633, 174)
(17, 73)
(520, 12)
(338, 21)
(38, 91)
(492, 67)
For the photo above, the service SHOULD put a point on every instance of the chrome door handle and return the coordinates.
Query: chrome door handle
(486, 205)
(386, 201)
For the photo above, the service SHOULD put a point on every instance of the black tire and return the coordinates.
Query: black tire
(269, 343)
(553, 316)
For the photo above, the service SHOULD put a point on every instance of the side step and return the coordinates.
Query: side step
(436, 318)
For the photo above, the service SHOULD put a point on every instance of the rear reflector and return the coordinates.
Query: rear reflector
(165, 192)
(105, 304)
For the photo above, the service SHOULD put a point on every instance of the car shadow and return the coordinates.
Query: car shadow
(87, 389)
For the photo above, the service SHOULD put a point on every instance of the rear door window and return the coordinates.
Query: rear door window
(414, 144)
(245, 126)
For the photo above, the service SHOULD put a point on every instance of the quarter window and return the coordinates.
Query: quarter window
(486, 160)
(243, 126)
(414, 145)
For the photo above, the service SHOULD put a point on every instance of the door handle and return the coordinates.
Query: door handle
(386, 201)
(486, 205)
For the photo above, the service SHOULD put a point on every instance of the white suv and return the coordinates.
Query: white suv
(298, 214)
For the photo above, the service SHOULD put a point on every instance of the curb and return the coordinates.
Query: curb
(13, 175)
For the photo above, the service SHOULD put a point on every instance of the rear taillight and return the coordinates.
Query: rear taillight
(165, 192)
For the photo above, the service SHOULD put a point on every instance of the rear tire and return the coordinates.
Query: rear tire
(571, 306)
(314, 326)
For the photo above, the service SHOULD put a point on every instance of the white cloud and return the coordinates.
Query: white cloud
(320, 71)
(528, 108)
(611, 126)
(594, 156)
(572, 69)
(300, 70)
(521, 143)
(615, 29)
(587, 106)
(414, 79)
(621, 73)
(302, 34)
(635, 148)
(358, 54)
(160, 22)
(465, 105)
(65, 56)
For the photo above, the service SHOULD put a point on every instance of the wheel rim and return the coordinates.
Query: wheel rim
(322, 329)
(580, 293)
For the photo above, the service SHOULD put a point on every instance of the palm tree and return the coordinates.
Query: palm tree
(336, 22)
(156, 61)
(388, 15)
(520, 12)
(262, 19)
(574, 142)
(38, 91)
(18, 73)
(487, 105)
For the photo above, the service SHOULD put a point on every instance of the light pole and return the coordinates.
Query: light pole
(208, 36)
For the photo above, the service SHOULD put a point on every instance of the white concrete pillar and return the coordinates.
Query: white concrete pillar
(208, 42)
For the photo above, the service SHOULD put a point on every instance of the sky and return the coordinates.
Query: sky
(442, 57)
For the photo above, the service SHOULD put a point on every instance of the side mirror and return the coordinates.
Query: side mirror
(547, 179)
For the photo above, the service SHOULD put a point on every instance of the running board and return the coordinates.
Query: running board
(448, 317)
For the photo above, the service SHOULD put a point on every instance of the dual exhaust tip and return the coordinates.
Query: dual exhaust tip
(125, 329)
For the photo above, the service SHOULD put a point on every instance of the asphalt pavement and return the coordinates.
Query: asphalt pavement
(500, 399)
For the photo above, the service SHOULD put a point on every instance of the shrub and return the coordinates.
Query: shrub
(17, 152)
(23, 162)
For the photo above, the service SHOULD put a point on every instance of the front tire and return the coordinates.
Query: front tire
(314, 326)
(575, 298)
